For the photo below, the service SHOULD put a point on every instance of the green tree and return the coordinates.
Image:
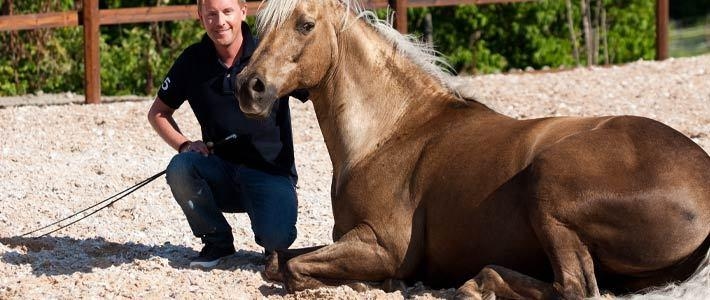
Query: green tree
(500, 37)
(474, 39)
(44, 59)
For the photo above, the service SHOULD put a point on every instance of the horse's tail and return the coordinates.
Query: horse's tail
(697, 286)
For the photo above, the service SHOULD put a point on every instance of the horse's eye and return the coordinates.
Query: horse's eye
(306, 27)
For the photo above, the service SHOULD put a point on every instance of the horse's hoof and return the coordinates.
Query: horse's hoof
(393, 285)
(271, 269)
(471, 291)
(359, 287)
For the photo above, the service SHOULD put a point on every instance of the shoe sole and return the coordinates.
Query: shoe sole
(204, 264)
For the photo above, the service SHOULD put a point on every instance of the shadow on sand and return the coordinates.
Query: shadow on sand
(50, 255)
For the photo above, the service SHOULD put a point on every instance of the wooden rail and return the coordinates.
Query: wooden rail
(91, 18)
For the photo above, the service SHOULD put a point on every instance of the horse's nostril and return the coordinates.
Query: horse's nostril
(256, 85)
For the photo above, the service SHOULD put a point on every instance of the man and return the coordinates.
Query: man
(241, 164)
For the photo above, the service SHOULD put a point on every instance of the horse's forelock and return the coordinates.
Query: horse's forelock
(274, 14)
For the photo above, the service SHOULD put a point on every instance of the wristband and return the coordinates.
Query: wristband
(184, 145)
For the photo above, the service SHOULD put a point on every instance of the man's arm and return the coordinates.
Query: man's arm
(160, 117)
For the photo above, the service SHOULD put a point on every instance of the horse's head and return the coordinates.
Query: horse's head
(297, 43)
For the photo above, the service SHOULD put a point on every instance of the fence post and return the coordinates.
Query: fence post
(92, 74)
(662, 15)
(400, 14)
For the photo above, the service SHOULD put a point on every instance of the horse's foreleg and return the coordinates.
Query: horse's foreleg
(504, 283)
(273, 267)
(356, 256)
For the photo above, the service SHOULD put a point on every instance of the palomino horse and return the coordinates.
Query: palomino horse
(430, 186)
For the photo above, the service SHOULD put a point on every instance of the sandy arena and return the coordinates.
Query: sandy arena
(59, 159)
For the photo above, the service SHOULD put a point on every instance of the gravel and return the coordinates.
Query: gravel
(59, 159)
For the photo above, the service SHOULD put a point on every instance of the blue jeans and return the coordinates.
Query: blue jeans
(205, 187)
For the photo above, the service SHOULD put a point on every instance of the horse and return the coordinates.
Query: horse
(432, 186)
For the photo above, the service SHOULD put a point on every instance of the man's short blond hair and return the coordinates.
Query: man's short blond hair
(200, 2)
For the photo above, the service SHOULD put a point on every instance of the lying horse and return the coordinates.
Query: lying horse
(430, 186)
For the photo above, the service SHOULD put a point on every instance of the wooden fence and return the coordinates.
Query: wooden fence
(91, 17)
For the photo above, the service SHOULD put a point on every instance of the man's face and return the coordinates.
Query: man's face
(222, 20)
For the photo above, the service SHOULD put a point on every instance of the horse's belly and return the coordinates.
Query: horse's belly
(462, 241)
(627, 237)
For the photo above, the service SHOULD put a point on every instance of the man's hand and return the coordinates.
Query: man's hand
(196, 146)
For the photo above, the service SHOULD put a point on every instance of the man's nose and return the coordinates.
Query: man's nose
(221, 19)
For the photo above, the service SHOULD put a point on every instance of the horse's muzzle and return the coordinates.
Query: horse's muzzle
(255, 99)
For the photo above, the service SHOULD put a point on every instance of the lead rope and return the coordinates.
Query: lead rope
(120, 196)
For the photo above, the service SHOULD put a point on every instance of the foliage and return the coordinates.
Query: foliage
(690, 40)
(489, 38)
(41, 59)
(632, 30)
(134, 59)
(474, 39)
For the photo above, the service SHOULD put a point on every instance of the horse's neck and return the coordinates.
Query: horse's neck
(371, 93)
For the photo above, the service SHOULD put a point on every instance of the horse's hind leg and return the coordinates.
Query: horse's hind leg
(504, 283)
(570, 260)
(569, 257)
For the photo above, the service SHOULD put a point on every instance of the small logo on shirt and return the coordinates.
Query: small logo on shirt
(166, 84)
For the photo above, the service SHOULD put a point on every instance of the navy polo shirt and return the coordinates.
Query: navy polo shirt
(200, 78)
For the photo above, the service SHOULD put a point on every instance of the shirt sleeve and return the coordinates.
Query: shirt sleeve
(172, 91)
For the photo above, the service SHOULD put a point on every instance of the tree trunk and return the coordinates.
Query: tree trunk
(605, 37)
(473, 40)
(156, 35)
(7, 10)
(428, 29)
(584, 6)
(572, 33)
(597, 29)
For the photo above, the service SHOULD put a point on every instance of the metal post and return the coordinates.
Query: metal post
(92, 75)
(662, 15)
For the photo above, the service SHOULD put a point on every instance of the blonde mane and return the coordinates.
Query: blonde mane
(422, 54)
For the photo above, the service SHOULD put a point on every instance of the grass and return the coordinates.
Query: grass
(690, 41)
